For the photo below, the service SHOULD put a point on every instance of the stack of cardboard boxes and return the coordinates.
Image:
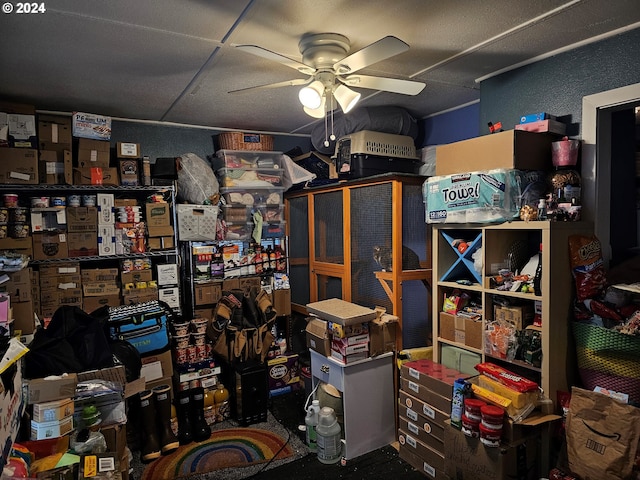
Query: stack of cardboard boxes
(426, 389)
(60, 284)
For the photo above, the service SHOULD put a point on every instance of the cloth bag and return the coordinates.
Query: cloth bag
(602, 436)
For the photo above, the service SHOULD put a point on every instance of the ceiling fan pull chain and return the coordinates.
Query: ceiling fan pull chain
(326, 141)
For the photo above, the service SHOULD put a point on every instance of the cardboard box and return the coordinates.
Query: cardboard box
(158, 214)
(432, 375)
(105, 203)
(100, 289)
(50, 218)
(543, 126)
(19, 166)
(95, 176)
(282, 301)
(341, 312)
(62, 281)
(422, 413)
(447, 328)
(90, 304)
(197, 222)
(93, 153)
(129, 171)
(408, 454)
(509, 149)
(421, 450)
(382, 334)
(62, 268)
(20, 245)
(161, 243)
(170, 296)
(106, 240)
(421, 392)
(89, 125)
(11, 406)
(48, 246)
(283, 371)
(157, 366)
(56, 168)
(92, 275)
(23, 317)
(318, 337)
(416, 430)
(466, 458)
(249, 284)
(18, 285)
(54, 130)
(520, 316)
(469, 331)
(83, 244)
(207, 293)
(55, 428)
(39, 390)
(163, 232)
(136, 276)
(168, 274)
(50, 411)
(82, 219)
(22, 131)
(351, 358)
(128, 150)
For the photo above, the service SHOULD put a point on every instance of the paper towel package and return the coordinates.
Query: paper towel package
(490, 196)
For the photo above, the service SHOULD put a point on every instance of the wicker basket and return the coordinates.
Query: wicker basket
(245, 141)
(608, 359)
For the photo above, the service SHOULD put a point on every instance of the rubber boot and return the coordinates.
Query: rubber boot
(168, 441)
(151, 445)
(185, 434)
(201, 429)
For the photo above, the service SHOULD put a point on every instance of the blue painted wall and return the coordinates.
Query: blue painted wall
(460, 124)
(556, 85)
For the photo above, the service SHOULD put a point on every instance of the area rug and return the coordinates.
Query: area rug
(233, 447)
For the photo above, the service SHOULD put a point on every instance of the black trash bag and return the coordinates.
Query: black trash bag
(125, 354)
(73, 342)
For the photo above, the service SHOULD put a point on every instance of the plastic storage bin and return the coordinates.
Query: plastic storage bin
(273, 229)
(237, 213)
(252, 196)
(271, 213)
(248, 159)
(238, 231)
(243, 177)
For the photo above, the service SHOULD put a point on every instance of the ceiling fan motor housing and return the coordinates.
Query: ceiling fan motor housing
(323, 50)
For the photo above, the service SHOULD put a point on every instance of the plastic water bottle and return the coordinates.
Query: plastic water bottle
(328, 436)
(311, 422)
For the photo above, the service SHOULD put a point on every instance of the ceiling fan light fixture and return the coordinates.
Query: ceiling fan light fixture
(346, 97)
(319, 112)
(311, 96)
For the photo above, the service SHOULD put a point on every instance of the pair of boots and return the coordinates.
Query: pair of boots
(192, 426)
(155, 409)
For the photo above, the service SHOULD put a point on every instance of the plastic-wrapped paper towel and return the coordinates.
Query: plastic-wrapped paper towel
(490, 196)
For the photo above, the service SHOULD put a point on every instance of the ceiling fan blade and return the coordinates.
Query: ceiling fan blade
(406, 87)
(286, 83)
(276, 57)
(382, 49)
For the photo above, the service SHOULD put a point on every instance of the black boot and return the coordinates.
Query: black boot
(185, 434)
(201, 429)
(168, 440)
(151, 446)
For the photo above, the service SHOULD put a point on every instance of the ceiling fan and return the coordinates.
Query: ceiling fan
(332, 70)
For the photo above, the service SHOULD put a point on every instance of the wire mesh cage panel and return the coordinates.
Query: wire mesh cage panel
(299, 250)
(328, 227)
(371, 226)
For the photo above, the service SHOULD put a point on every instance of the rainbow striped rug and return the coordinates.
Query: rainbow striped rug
(233, 447)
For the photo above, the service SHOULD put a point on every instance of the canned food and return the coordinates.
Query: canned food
(4, 216)
(58, 201)
(89, 200)
(199, 339)
(192, 354)
(10, 200)
(39, 202)
(74, 200)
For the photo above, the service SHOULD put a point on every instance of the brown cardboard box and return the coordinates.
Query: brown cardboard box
(59, 281)
(20, 245)
(420, 449)
(39, 390)
(89, 304)
(447, 326)
(55, 168)
(93, 153)
(161, 243)
(48, 246)
(466, 458)
(23, 318)
(207, 293)
(520, 316)
(158, 214)
(318, 337)
(54, 132)
(469, 331)
(95, 176)
(128, 150)
(421, 413)
(382, 334)
(248, 284)
(82, 219)
(91, 275)
(135, 276)
(282, 301)
(408, 454)
(508, 149)
(230, 284)
(19, 166)
(163, 232)
(100, 289)
(426, 395)
(157, 366)
(19, 285)
(129, 174)
(82, 244)
(203, 313)
(419, 431)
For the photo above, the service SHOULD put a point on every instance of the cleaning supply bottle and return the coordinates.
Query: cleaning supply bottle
(311, 422)
(328, 436)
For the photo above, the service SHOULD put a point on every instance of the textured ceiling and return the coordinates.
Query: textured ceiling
(170, 61)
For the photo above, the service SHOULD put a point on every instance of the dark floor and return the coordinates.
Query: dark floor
(380, 464)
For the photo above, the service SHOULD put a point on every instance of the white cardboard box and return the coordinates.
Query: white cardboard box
(53, 429)
(168, 274)
(106, 240)
(171, 296)
(197, 222)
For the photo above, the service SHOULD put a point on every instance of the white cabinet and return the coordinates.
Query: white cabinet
(368, 399)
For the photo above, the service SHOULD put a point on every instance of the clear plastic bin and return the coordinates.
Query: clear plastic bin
(241, 177)
(237, 213)
(253, 195)
(248, 159)
(238, 231)
(273, 229)
(271, 213)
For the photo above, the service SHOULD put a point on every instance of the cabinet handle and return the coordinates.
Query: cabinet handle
(324, 368)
